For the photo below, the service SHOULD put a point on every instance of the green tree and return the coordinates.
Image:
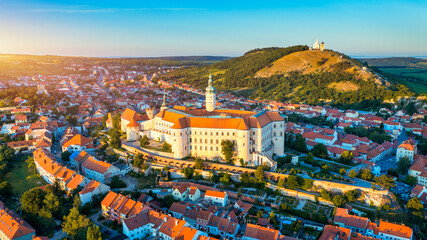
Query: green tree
(300, 144)
(225, 179)
(166, 147)
(281, 183)
(351, 195)
(403, 164)
(385, 181)
(410, 108)
(352, 173)
(272, 218)
(292, 182)
(145, 141)
(138, 161)
(227, 149)
(320, 150)
(65, 156)
(93, 233)
(198, 163)
(366, 174)
(52, 203)
(32, 200)
(325, 194)
(343, 172)
(116, 121)
(75, 224)
(259, 174)
(188, 172)
(115, 141)
(338, 200)
(410, 180)
(346, 157)
(415, 204)
(310, 158)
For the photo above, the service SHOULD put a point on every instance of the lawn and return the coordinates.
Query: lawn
(22, 178)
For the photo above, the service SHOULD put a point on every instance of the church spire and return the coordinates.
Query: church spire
(164, 102)
(210, 95)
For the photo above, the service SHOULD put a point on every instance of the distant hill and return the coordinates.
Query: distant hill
(296, 74)
(396, 62)
(197, 59)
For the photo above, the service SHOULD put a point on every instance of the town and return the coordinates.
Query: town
(115, 152)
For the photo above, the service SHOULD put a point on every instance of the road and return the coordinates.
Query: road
(100, 84)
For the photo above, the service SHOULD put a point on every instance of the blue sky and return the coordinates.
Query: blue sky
(230, 28)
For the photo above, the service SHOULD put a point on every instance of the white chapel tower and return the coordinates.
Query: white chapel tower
(210, 96)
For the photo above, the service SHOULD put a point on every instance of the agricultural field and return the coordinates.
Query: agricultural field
(418, 85)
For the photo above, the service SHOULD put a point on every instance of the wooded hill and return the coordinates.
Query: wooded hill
(296, 74)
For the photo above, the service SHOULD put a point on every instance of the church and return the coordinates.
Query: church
(199, 132)
(317, 46)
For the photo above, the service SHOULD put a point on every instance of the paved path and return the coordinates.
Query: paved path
(58, 235)
(301, 204)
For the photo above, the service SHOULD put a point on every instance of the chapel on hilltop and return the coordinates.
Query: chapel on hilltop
(317, 46)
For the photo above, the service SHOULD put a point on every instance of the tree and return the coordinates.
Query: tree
(6, 189)
(338, 200)
(166, 147)
(138, 161)
(75, 224)
(281, 183)
(116, 121)
(385, 181)
(352, 173)
(346, 157)
(225, 179)
(65, 156)
(188, 172)
(32, 200)
(52, 203)
(77, 202)
(30, 163)
(145, 141)
(309, 158)
(259, 174)
(343, 172)
(115, 141)
(366, 174)
(292, 182)
(71, 120)
(325, 194)
(320, 150)
(403, 164)
(227, 149)
(410, 108)
(300, 144)
(351, 195)
(415, 204)
(410, 180)
(272, 218)
(93, 233)
(198, 163)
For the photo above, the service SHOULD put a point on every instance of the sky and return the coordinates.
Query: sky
(144, 28)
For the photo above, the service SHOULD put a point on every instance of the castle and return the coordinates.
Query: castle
(199, 132)
(317, 46)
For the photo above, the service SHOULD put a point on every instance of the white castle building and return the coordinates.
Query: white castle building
(199, 132)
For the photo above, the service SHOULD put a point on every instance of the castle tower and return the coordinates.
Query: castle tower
(322, 46)
(164, 107)
(150, 112)
(210, 96)
(132, 130)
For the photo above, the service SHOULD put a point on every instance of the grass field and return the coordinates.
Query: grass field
(417, 86)
(22, 178)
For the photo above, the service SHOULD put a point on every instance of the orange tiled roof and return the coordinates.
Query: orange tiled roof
(78, 139)
(186, 234)
(13, 226)
(335, 233)
(408, 144)
(95, 165)
(75, 181)
(90, 187)
(395, 229)
(261, 233)
(109, 199)
(215, 194)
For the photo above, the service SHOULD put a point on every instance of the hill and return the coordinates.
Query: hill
(297, 74)
(396, 62)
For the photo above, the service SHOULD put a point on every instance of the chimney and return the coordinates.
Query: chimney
(165, 219)
(176, 222)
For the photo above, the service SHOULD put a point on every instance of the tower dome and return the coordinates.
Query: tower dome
(210, 96)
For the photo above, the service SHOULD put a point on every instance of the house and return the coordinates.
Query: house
(78, 158)
(355, 223)
(171, 228)
(217, 198)
(78, 143)
(118, 207)
(407, 149)
(21, 119)
(335, 232)
(98, 170)
(386, 231)
(12, 226)
(184, 191)
(177, 210)
(420, 192)
(203, 219)
(144, 224)
(255, 232)
(91, 189)
(419, 169)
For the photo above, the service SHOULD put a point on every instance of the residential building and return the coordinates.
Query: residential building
(407, 149)
(12, 226)
(98, 170)
(78, 143)
(217, 198)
